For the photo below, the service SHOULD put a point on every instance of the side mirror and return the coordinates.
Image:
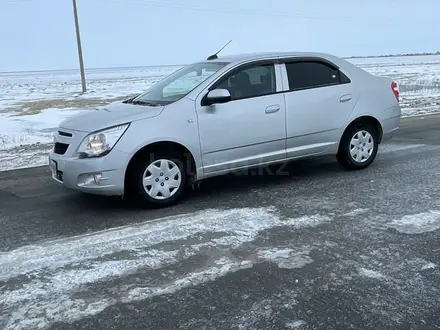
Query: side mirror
(217, 96)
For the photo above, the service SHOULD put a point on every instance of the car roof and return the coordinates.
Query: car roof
(256, 56)
(348, 68)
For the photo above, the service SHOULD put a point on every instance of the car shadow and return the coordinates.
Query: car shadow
(221, 186)
(269, 176)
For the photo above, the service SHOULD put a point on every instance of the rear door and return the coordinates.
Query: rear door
(319, 100)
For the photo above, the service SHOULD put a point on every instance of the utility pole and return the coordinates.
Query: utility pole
(78, 41)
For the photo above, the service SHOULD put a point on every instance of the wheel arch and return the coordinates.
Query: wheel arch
(343, 153)
(165, 145)
(370, 120)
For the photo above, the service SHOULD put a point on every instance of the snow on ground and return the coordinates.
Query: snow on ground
(19, 88)
(33, 103)
(16, 130)
(417, 223)
(371, 274)
(26, 140)
(418, 78)
(57, 270)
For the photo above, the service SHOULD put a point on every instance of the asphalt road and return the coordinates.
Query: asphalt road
(315, 247)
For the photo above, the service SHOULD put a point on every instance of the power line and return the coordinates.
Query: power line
(16, 1)
(238, 11)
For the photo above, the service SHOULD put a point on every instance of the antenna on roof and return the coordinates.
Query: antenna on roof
(214, 56)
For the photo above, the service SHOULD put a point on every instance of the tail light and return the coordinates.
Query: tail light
(395, 88)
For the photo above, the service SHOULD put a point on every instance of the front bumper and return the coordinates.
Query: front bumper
(102, 175)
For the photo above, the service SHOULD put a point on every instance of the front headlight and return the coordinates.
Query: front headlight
(101, 143)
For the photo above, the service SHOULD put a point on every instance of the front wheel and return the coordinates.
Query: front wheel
(358, 147)
(161, 179)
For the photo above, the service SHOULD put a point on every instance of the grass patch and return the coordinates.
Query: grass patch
(36, 106)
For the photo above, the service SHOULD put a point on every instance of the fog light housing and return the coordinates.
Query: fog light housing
(97, 178)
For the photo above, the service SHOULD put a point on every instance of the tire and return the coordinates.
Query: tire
(158, 191)
(354, 155)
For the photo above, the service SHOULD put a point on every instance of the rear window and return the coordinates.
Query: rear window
(311, 74)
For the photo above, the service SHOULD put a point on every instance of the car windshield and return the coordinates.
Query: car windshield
(178, 84)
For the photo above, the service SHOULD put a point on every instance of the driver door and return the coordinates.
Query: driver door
(251, 128)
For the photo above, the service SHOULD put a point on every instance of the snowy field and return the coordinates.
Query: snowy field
(418, 77)
(33, 103)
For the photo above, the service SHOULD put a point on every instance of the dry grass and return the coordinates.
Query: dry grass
(36, 106)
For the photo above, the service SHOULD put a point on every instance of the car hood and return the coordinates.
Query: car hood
(95, 119)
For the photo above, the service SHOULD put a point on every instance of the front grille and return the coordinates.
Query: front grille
(60, 148)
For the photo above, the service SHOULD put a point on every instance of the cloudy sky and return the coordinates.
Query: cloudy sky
(39, 34)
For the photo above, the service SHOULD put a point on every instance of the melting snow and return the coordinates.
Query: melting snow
(417, 223)
(285, 258)
(309, 221)
(296, 324)
(371, 274)
(356, 212)
(55, 271)
(429, 265)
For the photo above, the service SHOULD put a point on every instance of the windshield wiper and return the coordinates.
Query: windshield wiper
(139, 102)
(130, 100)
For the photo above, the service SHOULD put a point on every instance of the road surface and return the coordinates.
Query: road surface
(314, 247)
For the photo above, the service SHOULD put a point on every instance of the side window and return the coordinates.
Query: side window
(304, 75)
(249, 81)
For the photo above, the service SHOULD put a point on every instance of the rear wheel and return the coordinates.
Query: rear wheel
(358, 147)
(160, 179)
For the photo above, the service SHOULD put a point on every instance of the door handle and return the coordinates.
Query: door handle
(272, 108)
(345, 98)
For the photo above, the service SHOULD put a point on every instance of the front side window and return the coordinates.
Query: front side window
(311, 74)
(249, 81)
(178, 84)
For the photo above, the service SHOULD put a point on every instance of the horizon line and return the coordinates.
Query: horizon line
(171, 65)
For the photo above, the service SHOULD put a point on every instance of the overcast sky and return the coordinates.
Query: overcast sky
(40, 34)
